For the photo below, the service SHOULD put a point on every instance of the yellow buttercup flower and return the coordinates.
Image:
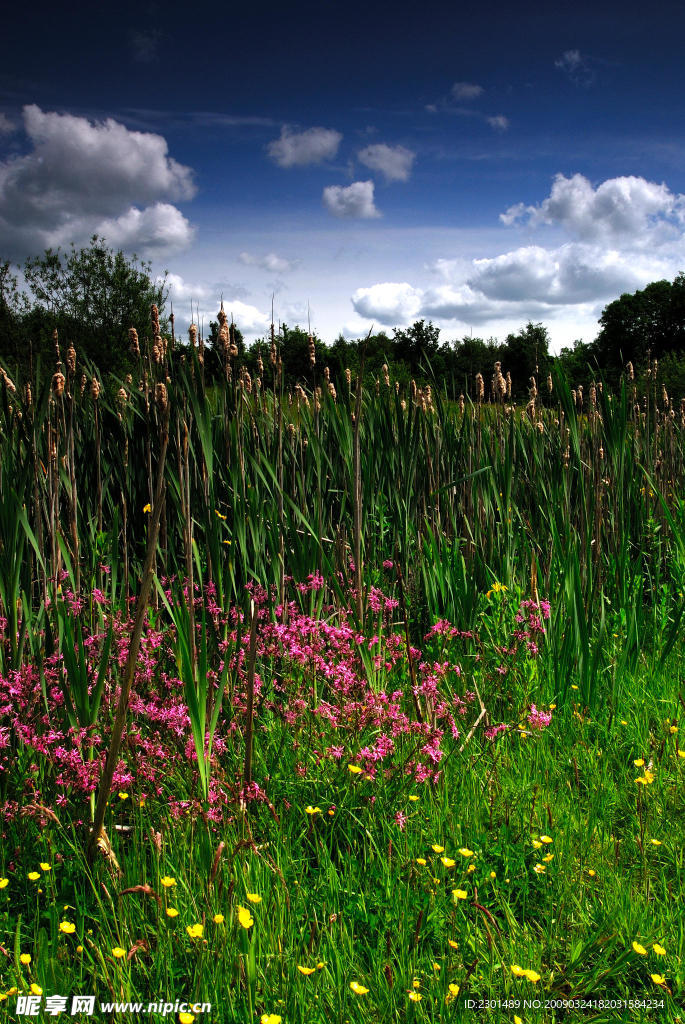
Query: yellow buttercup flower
(147, 508)
(171, 912)
(591, 872)
(655, 842)
(354, 769)
(658, 979)
(454, 989)
(359, 990)
(532, 976)
(219, 514)
(453, 944)
(548, 858)
(245, 917)
(312, 810)
(460, 894)
(123, 796)
(36, 989)
(546, 839)
(167, 881)
(539, 869)
(186, 1018)
(465, 852)
(34, 875)
(639, 949)
(253, 897)
(421, 860)
(659, 950)
(195, 930)
(639, 762)
(67, 927)
(118, 952)
(536, 844)
(270, 1018)
(415, 997)
(413, 797)
(25, 959)
(517, 971)
(45, 867)
(437, 849)
(448, 862)
(218, 919)
(4, 882)
(306, 970)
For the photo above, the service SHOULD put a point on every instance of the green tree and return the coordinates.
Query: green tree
(525, 355)
(92, 296)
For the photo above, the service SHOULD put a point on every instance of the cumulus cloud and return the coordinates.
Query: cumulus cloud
(466, 91)
(82, 178)
(625, 210)
(389, 303)
(355, 200)
(297, 149)
(248, 319)
(394, 162)
(270, 261)
(499, 122)
(576, 67)
(181, 290)
(620, 235)
(7, 127)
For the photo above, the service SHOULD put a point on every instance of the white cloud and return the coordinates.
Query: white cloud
(395, 162)
(356, 200)
(297, 149)
(181, 290)
(577, 67)
(499, 122)
(270, 261)
(466, 91)
(83, 177)
(389, 303)
(626, 210)
(7, 127)
(248, 319)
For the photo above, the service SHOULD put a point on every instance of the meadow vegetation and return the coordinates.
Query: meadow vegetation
(341, 704)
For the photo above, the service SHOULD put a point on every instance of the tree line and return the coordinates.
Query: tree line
(94, 295)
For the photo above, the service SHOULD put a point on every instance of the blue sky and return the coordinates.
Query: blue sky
(478, 165)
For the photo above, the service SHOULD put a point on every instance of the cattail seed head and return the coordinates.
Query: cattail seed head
(312, 351)
(192, 334)
(84, 381)
(630, 371)
(7, 381)
(27, 394)
(348, 377)
(95, 389)
(58, 384)
(161, 397)
(480, 387)
(462, 404)
(71, 359)
(550, 385)
(133, 344)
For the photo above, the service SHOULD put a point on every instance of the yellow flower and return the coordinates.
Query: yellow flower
(34, 875)
(673, 730)
(460, 894)
(413, 797)
(659, 950)
(517, 1020)
(437, 849)
(649, 776)
(658, 979)
(681, 753)
(79, 949)
(4, 882)
(118, 952)
(421, 861)
(493, 874)
(312, 810)
(454, 989)
(195, 930)
(218, 919)
(354, 769)
(517, 971)
(532, 976)
(548, 858)
(67, 927)
(465, 852)
(639, 949)
(25, 958)
(536, 844)
(539, 869)
(639, 762)
(448, 862)
(655, 842)
(216, 510)
(320, 966)
(453, 944)
(470, 868)
(167, 881)
(171, 912)
(186, 1018)
(546, 839)
(45, 867)
(591, 872)
(123, 796)
(359, 990)
(415, 997)
(270, 1018)
(245, 917)
(147, 508)
(306, 970)
(36, 989)
(253, 897)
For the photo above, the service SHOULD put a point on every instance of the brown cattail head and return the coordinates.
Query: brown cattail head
(272, 351)
(533, 389)
(95, 389)
(157, 349)
(480, 387)
(462, 404)
(192, 334)
(550, 385)
(260, 365)
(71, 359)
(58, 384)
(122, 398)
(133, 345)
(84, 381)
(326, 373)
(499, 384)
(7, 381)
(312, 351)
(161, 397)
(154, 318)
(412, 389)
(27, 394)
(386, 375)
(331, 390)
(630, 371)
(508, 384)
(348, 377)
